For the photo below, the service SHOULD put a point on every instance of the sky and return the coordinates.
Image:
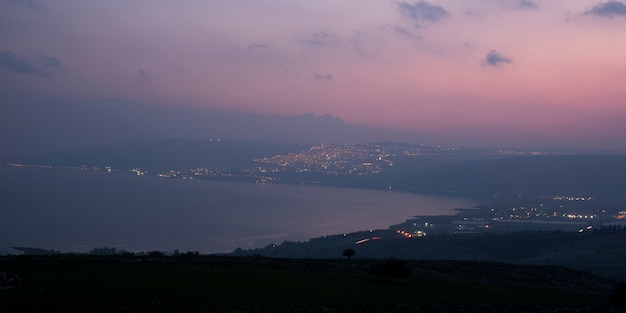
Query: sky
(515, 72)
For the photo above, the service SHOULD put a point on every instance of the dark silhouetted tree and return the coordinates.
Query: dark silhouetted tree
(349, 253)
(391, 268)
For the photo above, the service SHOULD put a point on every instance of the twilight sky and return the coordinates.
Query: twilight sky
(531, 73)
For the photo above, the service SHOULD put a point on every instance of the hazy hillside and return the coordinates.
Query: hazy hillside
(602, 176)
(492, 181)
(35, 124)
(163, 155)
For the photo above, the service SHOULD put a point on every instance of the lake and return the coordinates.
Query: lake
(76, 211)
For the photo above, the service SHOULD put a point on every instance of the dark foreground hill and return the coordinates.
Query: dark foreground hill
(193, 283)
(599, 252)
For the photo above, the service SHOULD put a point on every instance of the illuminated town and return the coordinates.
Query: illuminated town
(324, 164)
(338, 160)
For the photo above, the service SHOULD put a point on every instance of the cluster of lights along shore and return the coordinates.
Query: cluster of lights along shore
(476, 220)
(327, 159)
(337, 160)
(330, 159)
(374, 158)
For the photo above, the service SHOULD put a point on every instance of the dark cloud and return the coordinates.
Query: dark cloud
(422, 10)
(404, 32)
(356, 38)
(608, 9)
(494, 58)
(41, 65)
(256, 46)
(142, 76)
(30, 3)
(323, 77)
(321, 38)
(525, 4)
(471, 13)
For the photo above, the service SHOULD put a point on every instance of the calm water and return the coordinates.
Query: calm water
(71, 210)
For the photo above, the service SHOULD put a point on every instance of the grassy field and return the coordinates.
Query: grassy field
(254, 284)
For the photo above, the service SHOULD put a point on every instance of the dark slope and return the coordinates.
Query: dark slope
(231, 284)
(599, 252)
(34, 124)
(601, 176)
(163, 155)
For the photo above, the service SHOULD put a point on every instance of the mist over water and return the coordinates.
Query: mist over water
(76, 211)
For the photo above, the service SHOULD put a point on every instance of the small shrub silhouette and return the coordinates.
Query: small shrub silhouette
(156, 253)
(618, 298)
(391, 268)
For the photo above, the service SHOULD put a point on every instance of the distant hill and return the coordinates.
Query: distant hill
(163, 155)
(35, 124)
(602, 176)
(491, 181)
